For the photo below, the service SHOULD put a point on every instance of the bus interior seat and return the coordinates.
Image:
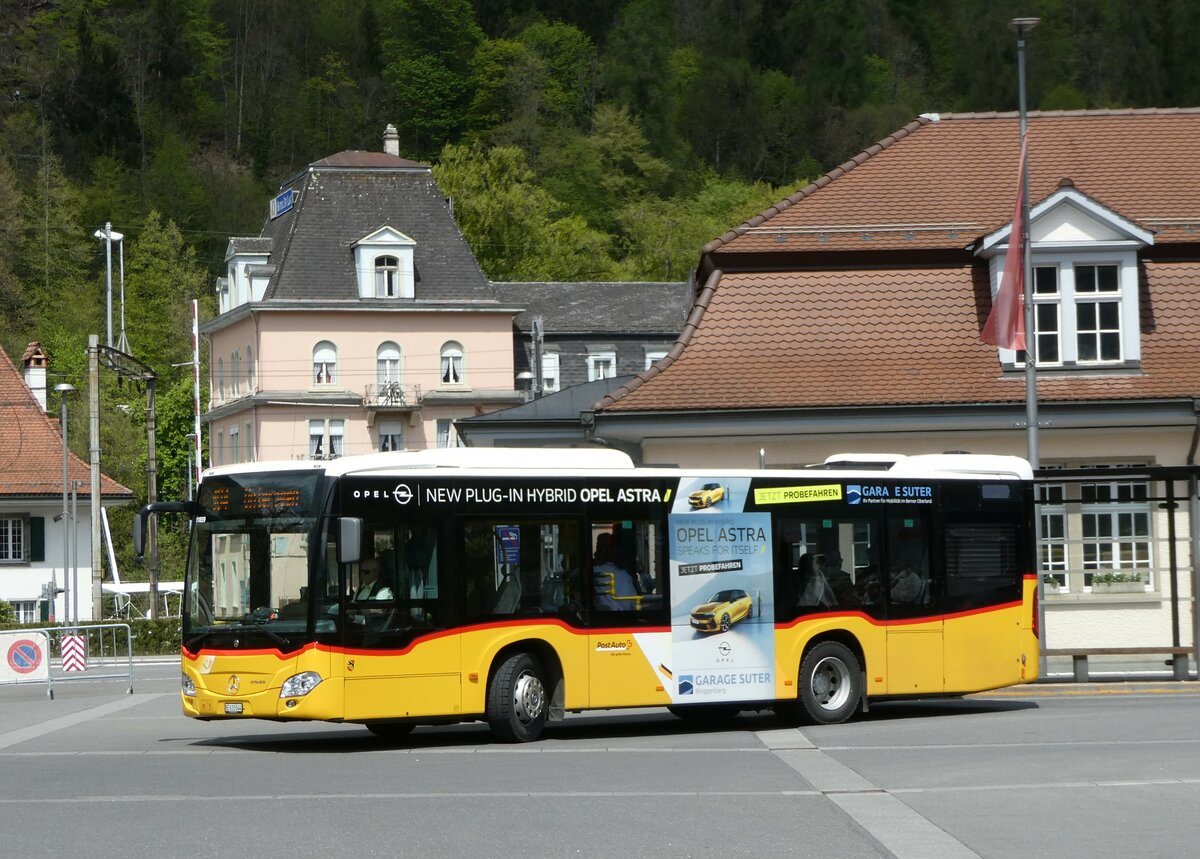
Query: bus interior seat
(508, 597)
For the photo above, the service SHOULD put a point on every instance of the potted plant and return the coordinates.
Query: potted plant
(1050, 584)
(1117, 583)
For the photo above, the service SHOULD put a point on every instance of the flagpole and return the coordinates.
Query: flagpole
(1023, 26)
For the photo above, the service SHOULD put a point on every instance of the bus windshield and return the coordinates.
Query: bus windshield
(248, 566)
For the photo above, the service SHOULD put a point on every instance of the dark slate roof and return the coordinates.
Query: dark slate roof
(564, 405)
(599, 307)
(342, 199)
(249, 244)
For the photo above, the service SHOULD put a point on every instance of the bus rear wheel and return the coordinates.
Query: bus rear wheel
(517, 701)
(830, 683)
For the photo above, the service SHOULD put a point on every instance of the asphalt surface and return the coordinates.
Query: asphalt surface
(1051, 769)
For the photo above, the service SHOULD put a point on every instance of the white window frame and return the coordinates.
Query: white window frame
(452, 370)
(324, 364)
(387, 364)
(387, 276)
(551, 372)
(1063, 305)
(14, 539)
(390, 435)
(1054, 549)
(326, 438)
(654, 355)
(598, 361)
(447, 435)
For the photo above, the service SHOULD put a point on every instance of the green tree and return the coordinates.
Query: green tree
(513, 226)
(428, 70)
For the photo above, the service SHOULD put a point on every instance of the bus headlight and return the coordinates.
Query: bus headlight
(299, 685)
(189, 688)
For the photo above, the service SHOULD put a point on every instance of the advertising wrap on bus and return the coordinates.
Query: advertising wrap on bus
(515, 586)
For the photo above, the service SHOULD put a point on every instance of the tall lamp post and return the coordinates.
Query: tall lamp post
(64, 389)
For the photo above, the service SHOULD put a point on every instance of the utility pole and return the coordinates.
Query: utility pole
(128, 367)
(94, 465)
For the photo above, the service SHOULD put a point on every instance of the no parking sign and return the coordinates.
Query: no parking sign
(24, 656)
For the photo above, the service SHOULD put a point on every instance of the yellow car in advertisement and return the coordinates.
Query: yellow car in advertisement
(706, 496)
(723, 610)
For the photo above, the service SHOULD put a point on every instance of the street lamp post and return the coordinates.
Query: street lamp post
(63, 389)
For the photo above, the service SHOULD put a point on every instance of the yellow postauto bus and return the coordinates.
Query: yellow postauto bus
(511, 586)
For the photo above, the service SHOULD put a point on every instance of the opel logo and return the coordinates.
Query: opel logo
(235, 684)
(723, 648)
(402, 494)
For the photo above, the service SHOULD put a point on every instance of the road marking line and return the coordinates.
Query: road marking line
(23, 735)
(897, 827)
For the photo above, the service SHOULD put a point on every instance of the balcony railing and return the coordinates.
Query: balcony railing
(392, 395)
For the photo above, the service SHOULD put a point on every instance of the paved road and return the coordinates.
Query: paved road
(1061, 771)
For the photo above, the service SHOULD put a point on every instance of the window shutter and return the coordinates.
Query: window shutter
(37, 538)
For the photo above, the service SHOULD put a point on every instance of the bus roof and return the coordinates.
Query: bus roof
(542, 459)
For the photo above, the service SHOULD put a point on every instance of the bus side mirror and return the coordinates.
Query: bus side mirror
(139, 521)
(350, 529)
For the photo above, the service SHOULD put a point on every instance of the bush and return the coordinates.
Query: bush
(150, 637)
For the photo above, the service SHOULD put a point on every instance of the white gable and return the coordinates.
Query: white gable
(371, 249)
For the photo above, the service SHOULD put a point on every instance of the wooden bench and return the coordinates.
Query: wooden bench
(1079, 657)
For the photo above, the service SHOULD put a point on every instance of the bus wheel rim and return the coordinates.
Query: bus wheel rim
(830, 683)
(529, 697)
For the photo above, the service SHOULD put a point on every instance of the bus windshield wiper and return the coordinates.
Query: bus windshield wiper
(272, 634)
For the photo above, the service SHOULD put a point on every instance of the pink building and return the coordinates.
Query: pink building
(357, 321)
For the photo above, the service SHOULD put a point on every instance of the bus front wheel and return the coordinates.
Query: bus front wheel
(830, 683)
(517, 700)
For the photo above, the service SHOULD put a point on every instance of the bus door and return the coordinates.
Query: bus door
(914, 627)
(395, 662)
(630, 626)
(983, 600)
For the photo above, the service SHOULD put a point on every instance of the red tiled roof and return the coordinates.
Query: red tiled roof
(944, 184)
(31, 457)
(894, 337)
(804, 326)
(357, 158)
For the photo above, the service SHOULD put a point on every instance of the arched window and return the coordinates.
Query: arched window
(220, 386)
(249, 370)
(235, 377)
(387, 273)
(324, 363)
(452, 363)
(387, 363)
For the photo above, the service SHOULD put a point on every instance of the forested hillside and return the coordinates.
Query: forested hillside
(580, 139)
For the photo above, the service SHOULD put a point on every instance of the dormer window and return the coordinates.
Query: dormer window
(383, 261)
(387, 272)
(1079, 312)
(1085, 277)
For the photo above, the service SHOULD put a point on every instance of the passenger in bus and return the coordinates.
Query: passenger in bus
(907, 586)
(614, 584)
(839, 581)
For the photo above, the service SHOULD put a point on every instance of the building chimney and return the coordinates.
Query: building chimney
(391, 141)
(34, 361)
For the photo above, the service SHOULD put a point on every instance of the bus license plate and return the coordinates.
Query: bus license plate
(233, 708)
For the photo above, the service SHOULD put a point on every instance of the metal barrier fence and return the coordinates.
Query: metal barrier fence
(106, 647)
